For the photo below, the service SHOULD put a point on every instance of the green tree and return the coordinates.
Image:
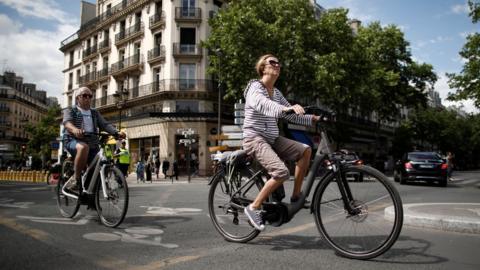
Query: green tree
(288, 29)
(393, 78)
(467, 82)
(43, 133)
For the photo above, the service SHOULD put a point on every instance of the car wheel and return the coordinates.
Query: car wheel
(403, 181)
(443, 182)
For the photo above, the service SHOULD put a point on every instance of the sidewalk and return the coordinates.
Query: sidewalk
(456, 217)
(183, 179)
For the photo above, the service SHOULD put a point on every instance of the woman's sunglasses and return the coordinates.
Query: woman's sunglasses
(274, 63)
(86, 96)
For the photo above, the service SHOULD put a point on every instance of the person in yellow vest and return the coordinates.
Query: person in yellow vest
(123, 156)
(108, 152)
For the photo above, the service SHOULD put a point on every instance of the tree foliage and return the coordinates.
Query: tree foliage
(467, 82)
(444, 130)
(43, 133)
(322, 58)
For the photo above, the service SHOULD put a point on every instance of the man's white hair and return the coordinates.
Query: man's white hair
(80, 91)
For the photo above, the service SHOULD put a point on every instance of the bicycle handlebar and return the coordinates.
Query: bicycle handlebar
(325, 115)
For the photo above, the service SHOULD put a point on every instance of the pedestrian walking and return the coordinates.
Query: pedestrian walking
(450, 158)
(165, 167)
(157, 166)
(140, 170)
(175, 170)
(148, 169)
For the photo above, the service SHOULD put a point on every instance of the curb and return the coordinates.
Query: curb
(462, 224)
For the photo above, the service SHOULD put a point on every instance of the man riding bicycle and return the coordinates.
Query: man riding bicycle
(264, 104)
(77, 120)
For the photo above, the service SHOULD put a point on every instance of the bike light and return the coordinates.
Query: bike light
(359, 162)
(444, 166)
(408, 165)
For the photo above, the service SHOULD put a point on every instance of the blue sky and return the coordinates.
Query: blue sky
(31, 31)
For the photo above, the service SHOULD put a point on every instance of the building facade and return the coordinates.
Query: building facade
(143, 61)
(20, 104)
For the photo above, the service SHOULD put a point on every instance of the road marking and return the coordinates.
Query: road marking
(65, 221)
(7, 202)
(14, 225)
(166, 211)
(135, 235)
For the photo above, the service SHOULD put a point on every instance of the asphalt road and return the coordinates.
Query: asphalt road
(167, 227)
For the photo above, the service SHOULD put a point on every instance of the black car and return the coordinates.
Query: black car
(425, 166)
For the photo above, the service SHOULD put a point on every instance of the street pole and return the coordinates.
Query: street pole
(219, 56)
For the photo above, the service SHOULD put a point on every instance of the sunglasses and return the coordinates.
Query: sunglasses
(86, 96)
(274, 63)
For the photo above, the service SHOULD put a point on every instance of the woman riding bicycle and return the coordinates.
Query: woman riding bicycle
(264, 104)
(77, 120)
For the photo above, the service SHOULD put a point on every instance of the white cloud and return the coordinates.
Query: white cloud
(7, 25)
(35, 55)
(460, 8)
(44, 9)
(441, 86)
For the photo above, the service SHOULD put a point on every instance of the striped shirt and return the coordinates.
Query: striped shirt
(262, 112)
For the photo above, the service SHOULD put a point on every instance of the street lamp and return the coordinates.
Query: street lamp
(120, 100)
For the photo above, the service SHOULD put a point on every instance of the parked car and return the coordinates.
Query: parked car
(425, 166)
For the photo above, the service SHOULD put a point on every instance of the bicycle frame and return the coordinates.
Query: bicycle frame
(98, 166)
(323, 154)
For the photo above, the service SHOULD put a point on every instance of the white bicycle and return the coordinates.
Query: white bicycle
(103, 187)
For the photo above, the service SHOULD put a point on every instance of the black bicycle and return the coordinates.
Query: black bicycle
(103, 187)
(350, 214)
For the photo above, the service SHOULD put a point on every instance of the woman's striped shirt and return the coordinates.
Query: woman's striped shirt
(262, 112)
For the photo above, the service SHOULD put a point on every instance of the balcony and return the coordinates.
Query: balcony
(88, 79)
(103, 101)
(5, 124)
(129, 34)
(102, 74)
(130, 65)
(156, 55)
(188, 15)
(69, 41)
(157, 21)
(90, 52)
(187, 51)
(104, 46)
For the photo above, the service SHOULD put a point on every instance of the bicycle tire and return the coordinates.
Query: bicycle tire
(372, 196)
(67, 206)
(229, 220)
(112, 210)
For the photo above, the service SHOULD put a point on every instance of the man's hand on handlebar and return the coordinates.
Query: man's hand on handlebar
(77, 132)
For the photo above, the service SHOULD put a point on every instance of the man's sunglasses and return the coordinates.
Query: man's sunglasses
(86, 96)
(274, 63)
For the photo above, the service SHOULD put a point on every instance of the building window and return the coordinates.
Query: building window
(187, 77)
(187, 106)
(78, 76)
(187, 40)
(70, 81)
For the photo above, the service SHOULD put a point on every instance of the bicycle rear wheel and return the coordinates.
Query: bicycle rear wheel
(67, 205)
(226, 205)
(368, 233)
(112, 208)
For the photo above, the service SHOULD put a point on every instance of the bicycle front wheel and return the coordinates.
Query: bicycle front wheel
(226, 203)
(67, 205)
(367, 233)
(113, 207)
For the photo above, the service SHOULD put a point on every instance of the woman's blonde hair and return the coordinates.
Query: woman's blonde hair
(260, 66)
